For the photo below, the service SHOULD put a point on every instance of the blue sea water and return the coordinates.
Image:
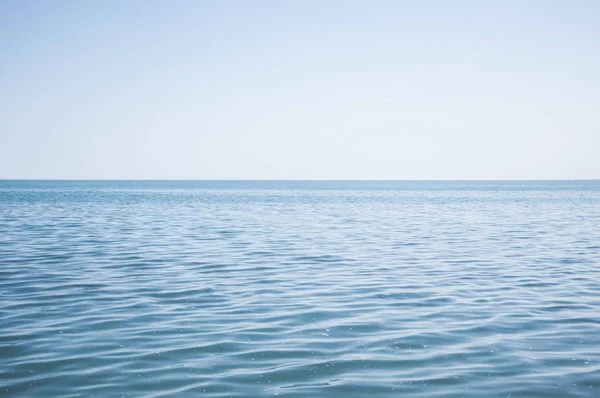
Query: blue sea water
(299, 289)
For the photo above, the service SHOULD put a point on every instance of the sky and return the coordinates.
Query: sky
(299, 89)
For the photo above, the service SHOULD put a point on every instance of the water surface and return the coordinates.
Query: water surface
(299, 289)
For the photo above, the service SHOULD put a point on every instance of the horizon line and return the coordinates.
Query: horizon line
(298, 179)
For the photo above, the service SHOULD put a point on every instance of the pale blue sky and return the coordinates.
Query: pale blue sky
(300, 89)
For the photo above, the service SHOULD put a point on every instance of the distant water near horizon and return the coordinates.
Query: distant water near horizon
(300, 288)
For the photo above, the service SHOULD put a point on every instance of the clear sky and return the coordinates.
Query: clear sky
(300, 89)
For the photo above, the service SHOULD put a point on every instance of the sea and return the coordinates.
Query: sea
(300, 289)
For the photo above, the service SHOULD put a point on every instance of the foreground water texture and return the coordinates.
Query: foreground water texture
(300, 289)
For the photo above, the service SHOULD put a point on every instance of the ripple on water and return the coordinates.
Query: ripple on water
(338, 289)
